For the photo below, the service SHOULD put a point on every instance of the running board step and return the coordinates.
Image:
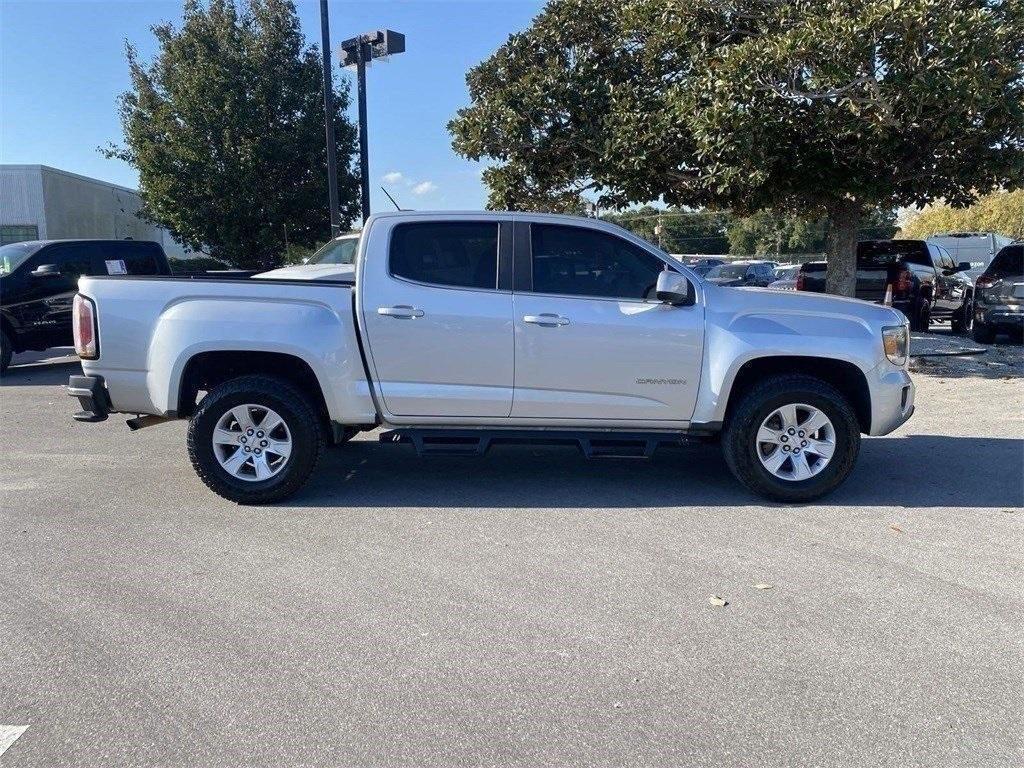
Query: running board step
(476, 442)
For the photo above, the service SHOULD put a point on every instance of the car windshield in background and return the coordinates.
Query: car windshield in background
(1009, 261)
(339, 251)
(13, 255)
(886, 254)
(730, 271)
(787, 273)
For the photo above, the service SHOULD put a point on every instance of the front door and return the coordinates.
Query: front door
(438, 323)
(592, 343)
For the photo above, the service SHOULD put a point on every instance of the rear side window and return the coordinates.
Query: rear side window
(454, 254)
(139, 258)
(1009, 261)
(576, 261)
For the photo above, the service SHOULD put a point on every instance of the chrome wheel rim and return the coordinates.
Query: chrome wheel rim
(252, 442)
(796, 442)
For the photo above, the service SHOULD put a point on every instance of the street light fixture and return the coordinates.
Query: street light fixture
(358, 52)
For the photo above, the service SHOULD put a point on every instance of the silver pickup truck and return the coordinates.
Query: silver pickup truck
(459, 331)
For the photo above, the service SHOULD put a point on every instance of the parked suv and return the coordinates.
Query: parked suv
(757, 274)
(999, 296)
(926, 284)
(39, 279)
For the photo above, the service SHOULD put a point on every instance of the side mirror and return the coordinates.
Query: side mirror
(46, 271)
(963, 266)
(675, 289)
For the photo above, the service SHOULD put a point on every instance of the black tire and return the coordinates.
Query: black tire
(961, 320)
(921, 318)
(739, 442)
(983, 334)
(300, 416)
(6, 351)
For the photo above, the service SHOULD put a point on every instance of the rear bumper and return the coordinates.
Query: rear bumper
(892, 398)
(92, 396)
(999, 315)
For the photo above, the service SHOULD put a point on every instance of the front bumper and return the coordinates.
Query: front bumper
(892, 398)
(93, 397)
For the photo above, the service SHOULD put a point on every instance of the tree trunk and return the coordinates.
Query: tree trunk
(841, 247)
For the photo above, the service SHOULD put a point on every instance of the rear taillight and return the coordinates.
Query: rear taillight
(800, 281)
(84, 323)
(903, 283)
(987, 281)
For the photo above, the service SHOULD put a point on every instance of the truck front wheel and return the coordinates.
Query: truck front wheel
(791, 438)
(255, 439)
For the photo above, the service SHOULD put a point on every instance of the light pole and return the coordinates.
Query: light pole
(358, 52)
(332, 160)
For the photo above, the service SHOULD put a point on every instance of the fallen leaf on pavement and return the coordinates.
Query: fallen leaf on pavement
(763, 586)
(896, 528)
(717, 601)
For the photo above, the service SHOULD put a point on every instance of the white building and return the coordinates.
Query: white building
(42, 203)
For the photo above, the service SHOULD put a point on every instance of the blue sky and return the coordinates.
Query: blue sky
(62, 67)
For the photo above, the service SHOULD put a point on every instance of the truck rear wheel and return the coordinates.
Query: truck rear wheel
(255, 439)
(791, 438)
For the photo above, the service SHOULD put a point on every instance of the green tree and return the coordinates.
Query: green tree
(816, 108)
(682, 231)
(999, 212)
(226, 129)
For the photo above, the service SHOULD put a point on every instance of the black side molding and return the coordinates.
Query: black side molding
(92, 396)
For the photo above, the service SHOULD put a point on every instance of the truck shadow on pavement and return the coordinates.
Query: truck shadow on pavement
(28, 370)
(891, 471)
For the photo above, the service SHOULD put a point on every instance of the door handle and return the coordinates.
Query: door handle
(546, 319)
(402, 310)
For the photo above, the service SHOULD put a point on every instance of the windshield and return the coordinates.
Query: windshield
(13, 255)
(729, 271)
(341, 250)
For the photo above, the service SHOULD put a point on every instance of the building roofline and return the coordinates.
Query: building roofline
(50, 169)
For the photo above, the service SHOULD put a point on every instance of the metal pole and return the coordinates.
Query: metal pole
(364, 152)
(332, 153)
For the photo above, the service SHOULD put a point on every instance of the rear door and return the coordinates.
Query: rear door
(592, 342)
(949, 288)
(437, 311)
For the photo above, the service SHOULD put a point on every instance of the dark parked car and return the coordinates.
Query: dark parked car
(999, 296)
(39, 280)
(739, 273)
(925, 282)
(703, 266)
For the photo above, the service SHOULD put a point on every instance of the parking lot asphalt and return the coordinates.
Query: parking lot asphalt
(527, 608)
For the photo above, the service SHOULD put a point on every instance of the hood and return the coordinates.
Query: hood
(770, 300)
(342, 272)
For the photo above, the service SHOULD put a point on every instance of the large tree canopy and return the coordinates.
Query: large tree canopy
(812, 107)
(1001, 213)
(226, 128)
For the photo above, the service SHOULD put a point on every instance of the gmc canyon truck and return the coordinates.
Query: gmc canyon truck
(459, 331)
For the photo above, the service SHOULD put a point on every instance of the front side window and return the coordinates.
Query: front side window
(452, 254)
(575, 261)
(72, 261)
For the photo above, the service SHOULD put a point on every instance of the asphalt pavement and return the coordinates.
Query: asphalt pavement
(528, 608)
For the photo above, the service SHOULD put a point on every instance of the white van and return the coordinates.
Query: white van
(975, 247)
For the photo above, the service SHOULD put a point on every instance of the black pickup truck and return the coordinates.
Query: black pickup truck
(926, 284)
(39, 280)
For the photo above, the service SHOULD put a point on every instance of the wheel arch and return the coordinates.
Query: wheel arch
(845, 376)
(205, 370)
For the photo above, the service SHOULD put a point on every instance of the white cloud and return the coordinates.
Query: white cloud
(393, 177)
(424, 187)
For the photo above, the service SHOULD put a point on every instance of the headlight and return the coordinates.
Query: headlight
(896, 342)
